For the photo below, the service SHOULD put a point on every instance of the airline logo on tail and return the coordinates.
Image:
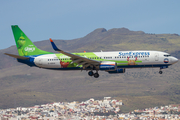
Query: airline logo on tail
(23, 48)
(24, 44)
(20, 46)
(30, 48)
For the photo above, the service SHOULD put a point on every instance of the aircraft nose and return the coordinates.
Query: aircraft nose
(175, 60)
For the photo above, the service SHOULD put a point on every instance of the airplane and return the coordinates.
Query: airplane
(113, 62)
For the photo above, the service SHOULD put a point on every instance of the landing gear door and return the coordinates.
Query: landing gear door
(156, 57)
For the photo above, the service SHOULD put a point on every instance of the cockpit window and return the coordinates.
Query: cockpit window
(167, 55)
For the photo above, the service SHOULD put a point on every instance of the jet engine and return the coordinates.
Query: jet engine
(106, 65)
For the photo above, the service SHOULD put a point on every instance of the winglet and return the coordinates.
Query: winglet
(50, 40)
(53, 45)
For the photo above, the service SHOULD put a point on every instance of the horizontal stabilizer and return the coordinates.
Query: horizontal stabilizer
(17, 56)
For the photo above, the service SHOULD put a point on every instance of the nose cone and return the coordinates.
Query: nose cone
(174, 60)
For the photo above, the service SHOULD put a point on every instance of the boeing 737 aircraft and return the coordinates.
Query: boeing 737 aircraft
(111, 62)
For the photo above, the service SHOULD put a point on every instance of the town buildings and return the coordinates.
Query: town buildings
(106, 109)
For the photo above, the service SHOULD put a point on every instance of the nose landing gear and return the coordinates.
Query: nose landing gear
(162, 67)
(91, 73)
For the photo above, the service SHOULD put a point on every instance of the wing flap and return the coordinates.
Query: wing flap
(76, 58)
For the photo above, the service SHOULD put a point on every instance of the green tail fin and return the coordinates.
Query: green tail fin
(24, 44)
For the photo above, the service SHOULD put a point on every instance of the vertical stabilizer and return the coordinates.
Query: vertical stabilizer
(24, 45)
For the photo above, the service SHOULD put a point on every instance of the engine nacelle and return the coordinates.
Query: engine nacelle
(106, 65)
(117, 71)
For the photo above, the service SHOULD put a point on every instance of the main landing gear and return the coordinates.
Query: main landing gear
(91, 73)
(160, 72)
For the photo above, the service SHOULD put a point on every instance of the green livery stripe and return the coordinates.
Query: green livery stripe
(66, 59)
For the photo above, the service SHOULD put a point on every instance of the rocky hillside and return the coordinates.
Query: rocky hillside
(21, 85)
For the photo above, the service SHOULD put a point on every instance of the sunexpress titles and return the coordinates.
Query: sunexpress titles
(134, 53)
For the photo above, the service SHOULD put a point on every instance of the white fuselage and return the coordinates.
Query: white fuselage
(124, 59)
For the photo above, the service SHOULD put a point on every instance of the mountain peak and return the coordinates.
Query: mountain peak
(98, 31)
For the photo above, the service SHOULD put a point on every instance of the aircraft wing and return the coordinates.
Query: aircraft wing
(76, 58)
(17, 56)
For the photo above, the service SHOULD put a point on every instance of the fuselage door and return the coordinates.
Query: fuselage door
(40, 61)
(156, 56)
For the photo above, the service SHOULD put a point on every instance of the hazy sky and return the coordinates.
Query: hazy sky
(70, 19)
